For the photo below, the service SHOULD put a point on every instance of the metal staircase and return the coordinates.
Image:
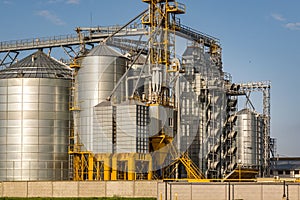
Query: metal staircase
(192, 170)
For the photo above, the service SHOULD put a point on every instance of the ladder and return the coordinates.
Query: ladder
(192, 170)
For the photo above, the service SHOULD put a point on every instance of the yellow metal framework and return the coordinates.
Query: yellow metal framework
(162, 146)
(161, 20)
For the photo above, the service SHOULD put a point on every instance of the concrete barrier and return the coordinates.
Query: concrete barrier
(92, 189)
(228, 191)
(155, 189)
(14, 189)
(39, 189)
(79, 189)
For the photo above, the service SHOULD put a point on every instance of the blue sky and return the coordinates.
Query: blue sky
(260, 41)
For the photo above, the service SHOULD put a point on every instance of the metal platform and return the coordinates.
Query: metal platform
(242, 174)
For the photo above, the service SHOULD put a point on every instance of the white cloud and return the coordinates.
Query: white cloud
(73, 2)
(51, 17)
(53, 1)
(64, 1)
(293, 26)
(278, 17)
(7, 2)
(290, 25)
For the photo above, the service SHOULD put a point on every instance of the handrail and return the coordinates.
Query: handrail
(37, 41)
(196, 32)
(94, 34)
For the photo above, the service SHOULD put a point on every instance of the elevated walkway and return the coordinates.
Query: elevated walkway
(68, 40)
(192, 34)
(97, 34)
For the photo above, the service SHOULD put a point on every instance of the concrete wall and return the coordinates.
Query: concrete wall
(161, 190)
(79, 189)
(226, 191)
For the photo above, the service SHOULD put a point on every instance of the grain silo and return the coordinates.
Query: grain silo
(99, 73)
(249, 127)
(34, 119)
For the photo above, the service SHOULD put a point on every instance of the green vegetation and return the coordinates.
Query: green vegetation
(93, 198)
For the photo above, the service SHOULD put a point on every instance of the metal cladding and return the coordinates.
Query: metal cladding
(132, 121)
(121, 129)
(104, 140)
(202, 108)
(34, 119)
(99, 73)
(249, 143)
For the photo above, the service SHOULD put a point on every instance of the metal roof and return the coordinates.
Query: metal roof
(37, 65)
(246, 111)
(104, 103)
(104, 50)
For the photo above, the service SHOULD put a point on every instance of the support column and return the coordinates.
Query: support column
(90, 167)
(114, 166)
(131, 167)
(106, 168)
(150, 173)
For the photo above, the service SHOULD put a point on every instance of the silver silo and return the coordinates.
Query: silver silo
(99, 73)
(34, 119)
(249, 138)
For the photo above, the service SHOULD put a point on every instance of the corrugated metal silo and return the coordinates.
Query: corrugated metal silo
(249, 138)
(34, 119)
(99, 73)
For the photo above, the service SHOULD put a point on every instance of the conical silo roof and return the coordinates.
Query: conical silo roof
(104, 50)
(245, 111)
(37, 65)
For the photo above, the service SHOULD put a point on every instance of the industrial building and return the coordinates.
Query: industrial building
(126, 106)
(285, 167)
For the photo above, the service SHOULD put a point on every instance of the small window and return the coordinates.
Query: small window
(171, 122)
(297, 172)
(287, 172)
(280, 172)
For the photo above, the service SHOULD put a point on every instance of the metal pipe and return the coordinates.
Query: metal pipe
(139, 77)
(287, 192)
(232, 192)
(125, 74)
(170, 191)
(106, 39)
(284, 195)
(229, 191)
(166, 190)
(136, 77)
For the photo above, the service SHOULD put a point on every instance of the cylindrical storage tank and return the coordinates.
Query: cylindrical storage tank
(249, 138)
(34, 119)
(99, 73)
